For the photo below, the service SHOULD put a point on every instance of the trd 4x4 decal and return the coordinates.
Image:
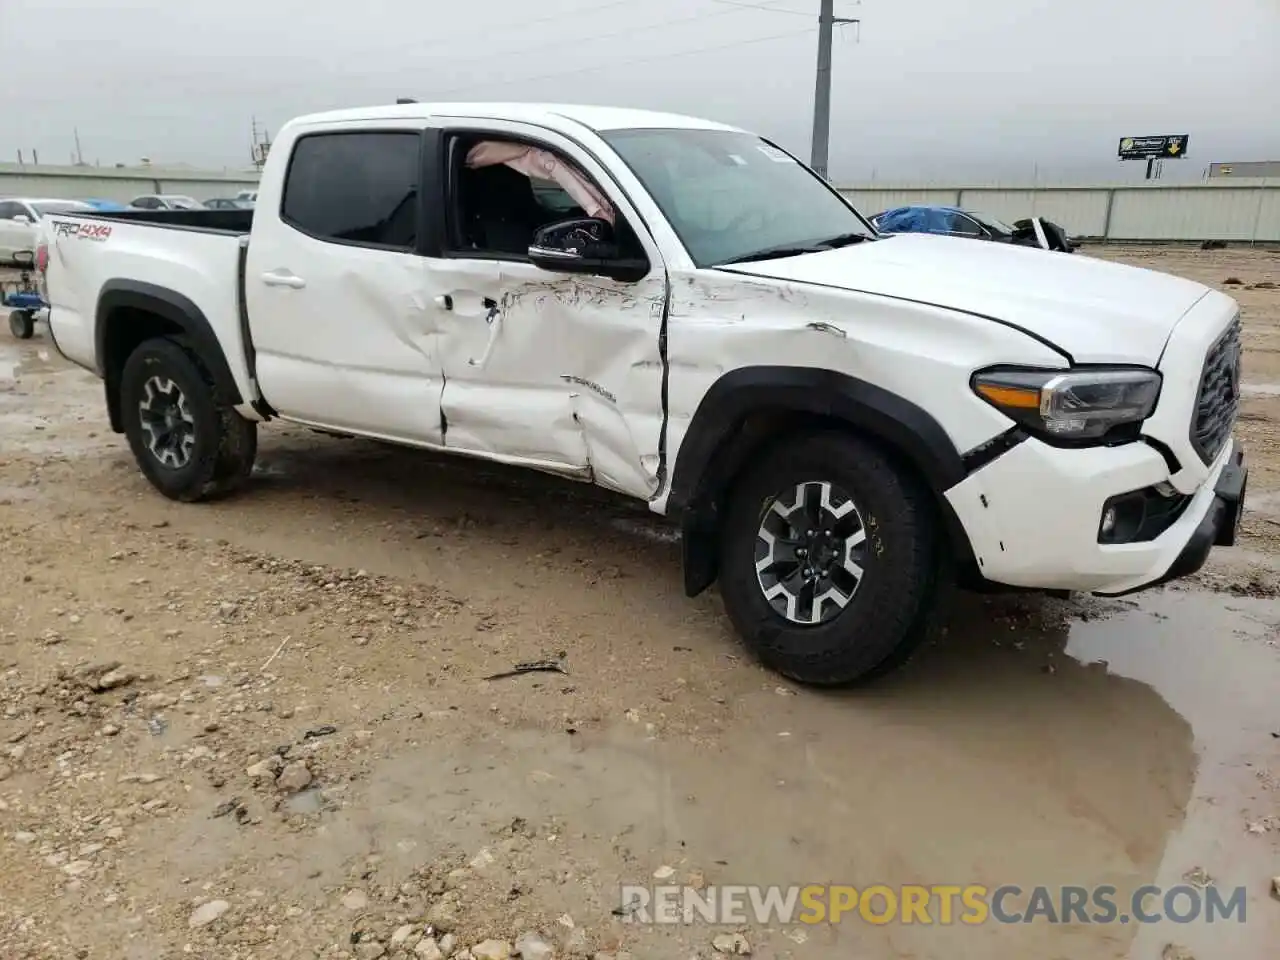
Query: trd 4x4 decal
(82, 231)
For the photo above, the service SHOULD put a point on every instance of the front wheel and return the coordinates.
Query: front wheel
(186, 443)
(829, 560)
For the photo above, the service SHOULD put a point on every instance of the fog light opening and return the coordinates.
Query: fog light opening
(1108, 521)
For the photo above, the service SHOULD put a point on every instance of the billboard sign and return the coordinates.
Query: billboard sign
(1169, 147)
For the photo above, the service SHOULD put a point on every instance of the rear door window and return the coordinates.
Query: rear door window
(964, 226)
(357, 188)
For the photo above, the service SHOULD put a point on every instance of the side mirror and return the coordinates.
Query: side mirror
(22, 218)
(24, 258)
(584, 245)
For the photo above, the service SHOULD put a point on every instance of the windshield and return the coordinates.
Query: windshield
(732, 195)
(58, 206)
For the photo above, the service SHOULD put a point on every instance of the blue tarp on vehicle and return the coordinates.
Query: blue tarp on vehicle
(916, 220)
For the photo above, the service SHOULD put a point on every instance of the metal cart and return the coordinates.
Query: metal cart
(22, 298)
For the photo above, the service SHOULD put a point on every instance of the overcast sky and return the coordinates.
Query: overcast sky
(922, 88)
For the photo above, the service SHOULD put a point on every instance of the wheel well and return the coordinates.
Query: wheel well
(126, 328)
(750, 437)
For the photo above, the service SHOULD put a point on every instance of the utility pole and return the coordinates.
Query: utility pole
(827, 19)
(259, 144)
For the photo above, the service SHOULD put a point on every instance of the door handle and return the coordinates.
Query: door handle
(444, 301)
(282, 279)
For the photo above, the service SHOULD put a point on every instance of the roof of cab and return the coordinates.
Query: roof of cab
(552, 115)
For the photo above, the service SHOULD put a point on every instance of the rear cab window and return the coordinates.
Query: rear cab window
(964, 226)
(359, 188)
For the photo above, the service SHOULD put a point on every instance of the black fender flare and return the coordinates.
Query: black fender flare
(702, 467)
(177, 311)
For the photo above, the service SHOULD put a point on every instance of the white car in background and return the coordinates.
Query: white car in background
(18, 218)
(166, 201)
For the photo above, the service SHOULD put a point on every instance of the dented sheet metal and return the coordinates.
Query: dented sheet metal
(564, 373)
(355, 346)
(720, 320)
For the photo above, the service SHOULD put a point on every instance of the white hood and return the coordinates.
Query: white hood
(1096, 311)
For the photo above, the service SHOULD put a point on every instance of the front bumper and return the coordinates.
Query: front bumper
(1219, 526)
(1032, 517)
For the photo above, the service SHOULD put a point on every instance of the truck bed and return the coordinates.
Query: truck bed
(185, 263)
(219, 221)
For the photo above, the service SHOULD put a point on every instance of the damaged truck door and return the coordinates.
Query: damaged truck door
(554, 364)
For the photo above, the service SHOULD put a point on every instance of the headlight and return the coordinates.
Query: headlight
(1076, 405)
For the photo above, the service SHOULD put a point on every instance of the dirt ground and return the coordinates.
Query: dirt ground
(260, 729)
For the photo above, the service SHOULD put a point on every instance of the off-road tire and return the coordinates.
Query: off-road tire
(891, 609)
(221, 455)
(22, 324)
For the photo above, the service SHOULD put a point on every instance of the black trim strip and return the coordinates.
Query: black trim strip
(1160, 447)
(173, 307)
(805, 390)
(831, 188)
(258, 401)
(985, 453)
(924, 303)
(715, 447)
(153, 218)
(431, 190)
(666, 380)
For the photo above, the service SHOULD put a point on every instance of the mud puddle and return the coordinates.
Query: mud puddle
(46, 405)
(1037, 744)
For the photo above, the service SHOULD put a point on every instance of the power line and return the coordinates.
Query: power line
(310, 82)
(635, 60)
(761, 6)
(453, 38)
(624, 32)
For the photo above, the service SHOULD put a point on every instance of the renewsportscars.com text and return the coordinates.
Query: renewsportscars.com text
(971, 904)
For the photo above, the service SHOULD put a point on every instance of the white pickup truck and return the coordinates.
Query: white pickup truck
(840, 422)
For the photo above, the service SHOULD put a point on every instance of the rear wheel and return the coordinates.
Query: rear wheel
(829, 560)
(22, 324)
(187, 444)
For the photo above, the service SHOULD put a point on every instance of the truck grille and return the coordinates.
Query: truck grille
(1219, 397)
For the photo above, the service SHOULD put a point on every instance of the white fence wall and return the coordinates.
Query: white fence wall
(1237, 210)
(1242, 210)
(118, 183)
